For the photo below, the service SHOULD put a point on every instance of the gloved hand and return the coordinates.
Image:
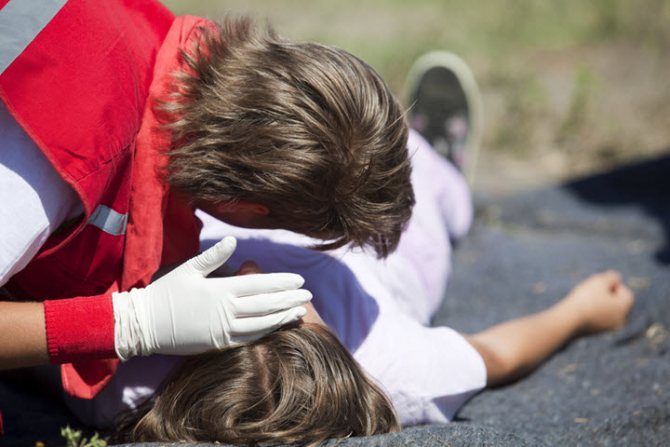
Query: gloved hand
(184, 312)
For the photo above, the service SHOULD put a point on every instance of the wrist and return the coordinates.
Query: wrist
(571, 313)
(79, 329)
(132, 325)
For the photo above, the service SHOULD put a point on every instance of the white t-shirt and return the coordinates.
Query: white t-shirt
(379, 309)
(35, 200)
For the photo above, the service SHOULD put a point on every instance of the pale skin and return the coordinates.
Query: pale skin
(23, 340)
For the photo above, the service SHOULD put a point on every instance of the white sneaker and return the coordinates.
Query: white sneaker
(445, 107)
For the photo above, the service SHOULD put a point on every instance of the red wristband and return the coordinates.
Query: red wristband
(80, 329)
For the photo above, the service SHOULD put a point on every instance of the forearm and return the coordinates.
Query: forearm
(23, 340)
(514, 348)
(59, 331)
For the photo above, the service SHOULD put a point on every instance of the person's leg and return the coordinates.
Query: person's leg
(443, 93)
(445, 186)
(417, 272)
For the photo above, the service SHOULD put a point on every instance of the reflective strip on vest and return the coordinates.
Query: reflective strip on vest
(20, 22)
(109, 220)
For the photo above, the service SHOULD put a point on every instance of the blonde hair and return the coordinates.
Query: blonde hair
(310, 131)
(295, 386)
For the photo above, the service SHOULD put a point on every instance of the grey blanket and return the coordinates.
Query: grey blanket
(524, 253)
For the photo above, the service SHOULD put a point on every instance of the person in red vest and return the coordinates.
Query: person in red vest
(117, 120)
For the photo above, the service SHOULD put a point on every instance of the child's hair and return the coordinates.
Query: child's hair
(295, 386)
(310, 131)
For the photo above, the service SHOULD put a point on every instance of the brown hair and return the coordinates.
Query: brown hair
(310, 131)
(295, 386)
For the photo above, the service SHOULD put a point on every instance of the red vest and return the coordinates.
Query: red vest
(82, 91)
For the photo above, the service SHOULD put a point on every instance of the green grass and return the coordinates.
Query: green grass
(554, 74)
(391, 34)
(383, 30)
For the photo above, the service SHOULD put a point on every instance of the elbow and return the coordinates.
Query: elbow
(502, 366)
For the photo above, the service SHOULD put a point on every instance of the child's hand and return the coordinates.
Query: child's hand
(602, 301)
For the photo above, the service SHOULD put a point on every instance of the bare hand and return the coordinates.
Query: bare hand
(602, 302)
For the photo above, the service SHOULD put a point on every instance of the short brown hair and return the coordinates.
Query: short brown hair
(295, 386)
(310, 131)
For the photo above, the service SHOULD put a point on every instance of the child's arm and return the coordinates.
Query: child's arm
(512, 349)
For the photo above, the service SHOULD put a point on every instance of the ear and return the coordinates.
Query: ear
(243, 207)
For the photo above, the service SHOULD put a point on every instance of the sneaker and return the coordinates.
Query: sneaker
(445, 107)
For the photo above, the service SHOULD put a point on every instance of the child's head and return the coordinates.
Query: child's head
(296, 385)
(309, 131)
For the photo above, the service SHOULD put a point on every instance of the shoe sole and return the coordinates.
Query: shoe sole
(467, 80)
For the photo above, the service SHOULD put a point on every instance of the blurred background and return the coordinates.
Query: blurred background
(569, 87)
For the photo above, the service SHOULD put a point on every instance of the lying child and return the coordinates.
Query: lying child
(381, 310)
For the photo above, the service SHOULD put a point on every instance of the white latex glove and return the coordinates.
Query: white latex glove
(184, 312)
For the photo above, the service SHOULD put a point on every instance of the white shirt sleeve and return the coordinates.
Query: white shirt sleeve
(34, 199)
(429, 372)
